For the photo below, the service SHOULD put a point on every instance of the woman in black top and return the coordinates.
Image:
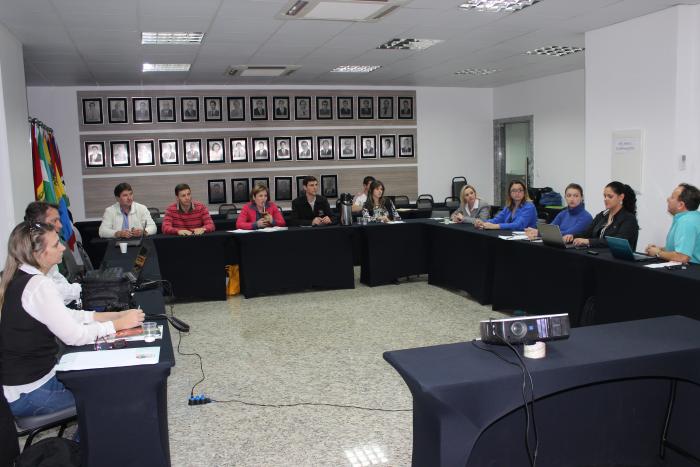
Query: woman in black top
(619, 219)
(377, 208)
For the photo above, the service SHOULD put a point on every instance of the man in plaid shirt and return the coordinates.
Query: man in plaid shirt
(186, 216)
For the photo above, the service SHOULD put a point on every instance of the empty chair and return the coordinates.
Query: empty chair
(227, 207)
(457, 184)
(401, 201)
(424, 202)
(155, 212)
(451, 202)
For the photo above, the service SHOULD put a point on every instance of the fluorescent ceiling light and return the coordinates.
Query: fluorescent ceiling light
(159, 38)
(165, 67)
(409, 44)
(476, 71)
(555, 50)
(497, 5)
(355, 68)
(344, 11)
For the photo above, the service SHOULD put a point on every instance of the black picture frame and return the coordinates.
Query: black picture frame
(347, 151)
(215, 113)
(302, 112)
(92, 114)
(323, 152)
(236, 113)
(261, 181)
(300, 185)
(145, 156)
(365, 112)
(166, 158)
(324, 108)
(305, 152)
(189, 109)
(214, 156)
(280, 108)
(385, 107)
(405, 112)
(365, 152)
(344, 108)
(236, 155)
(258, 112)
(329, 186)
(406, 150)
(258, 154)
(283, 188)
(119, 153)
(166, 113)
(117, 110)
(94, 158)
(384, 148)
(240, 190)
(192, 151)
(216, 189)
(283, 148)
(139, 113)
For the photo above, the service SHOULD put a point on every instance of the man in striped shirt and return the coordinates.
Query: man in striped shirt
(186, 216)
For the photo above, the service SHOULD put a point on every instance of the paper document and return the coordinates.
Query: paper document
(266, 229)
(395, 222)
(513, 237)
(109, 358)
(136, 337)
(662, 265)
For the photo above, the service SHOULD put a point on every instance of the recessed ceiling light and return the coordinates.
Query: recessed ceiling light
(158, 38)
(409, 44)
(497, 5)
(555, 50)
(476, 71)
(165, 67)
(355, 68)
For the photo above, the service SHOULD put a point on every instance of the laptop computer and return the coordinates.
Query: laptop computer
(551, 236)
(621, 249)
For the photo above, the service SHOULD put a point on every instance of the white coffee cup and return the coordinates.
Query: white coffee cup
(123, 246)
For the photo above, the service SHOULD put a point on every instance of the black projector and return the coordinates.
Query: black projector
(525, 329)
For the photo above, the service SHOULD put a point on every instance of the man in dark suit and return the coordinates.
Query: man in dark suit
(166, 111)
(311, 208)
(117, 113)
(261, 152)
(190, 111)
(213, 111)
(326, 149)
(260, 110)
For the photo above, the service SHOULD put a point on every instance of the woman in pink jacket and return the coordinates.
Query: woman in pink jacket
(260, 212)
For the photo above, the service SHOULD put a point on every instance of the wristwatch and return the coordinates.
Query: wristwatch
(658, 253)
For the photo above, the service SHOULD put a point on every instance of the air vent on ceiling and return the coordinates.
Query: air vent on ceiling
(265, 71)
(339, 10)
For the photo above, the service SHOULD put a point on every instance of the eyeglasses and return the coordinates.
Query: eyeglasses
(517, 190)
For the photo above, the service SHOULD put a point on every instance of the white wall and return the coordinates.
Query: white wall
(557, 105)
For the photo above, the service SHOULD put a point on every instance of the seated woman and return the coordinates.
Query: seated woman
(377, 208)
(33, 316)
(470, 208)
(260, 212)
(619, 219)
(572, 220)
(518, 214)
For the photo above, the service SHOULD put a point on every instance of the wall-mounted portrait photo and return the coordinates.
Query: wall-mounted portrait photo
(325, 147)
(280, 106)
(386, 107)
(406, 108)
(144, 153)
(216, 152)
(212, 106)
(261, 146)
(166, 109)
(302, 108)
(239, 150)
(92, 111)
(141, 109)
(193, 151)
(347, 147)
(217, 191)
(168, 151)
(264, 181)
(406, 146)
(120, 153)
(283, 148)
(387, 146)
(365, 107)
(345, 107)
(258, 108)
(369, 147)
(189, 109)
(300, 185)
(94, 154)
(329, 186)
(117, 109)
(324, 108)
(305, 149)
(283, 188)
(240, 190)
(236, 108)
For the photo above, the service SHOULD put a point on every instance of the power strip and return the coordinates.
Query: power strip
(199, 399)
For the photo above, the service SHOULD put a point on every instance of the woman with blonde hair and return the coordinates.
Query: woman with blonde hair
(471, 207)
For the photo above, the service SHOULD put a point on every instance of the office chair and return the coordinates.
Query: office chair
(451, 202)
(401, 201)
(227, 207)
(425, 202)
(155, 212)
(33, 425)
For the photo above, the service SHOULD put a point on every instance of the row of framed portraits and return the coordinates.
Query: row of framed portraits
(212, 109)
(263, 149)
(241, 188)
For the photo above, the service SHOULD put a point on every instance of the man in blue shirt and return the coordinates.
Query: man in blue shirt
(683, 240)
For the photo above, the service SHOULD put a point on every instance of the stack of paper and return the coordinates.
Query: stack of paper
(109, 358)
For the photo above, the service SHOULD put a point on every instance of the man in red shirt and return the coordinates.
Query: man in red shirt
(186, 216)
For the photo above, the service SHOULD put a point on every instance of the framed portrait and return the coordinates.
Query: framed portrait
(283, 188)
(217, 191)
(144, 152)
(258, 108)
(236, 109)
(387, 146)
(193, 151)
(166, 109)
(119, 151)
(302, 108)
(324, 108)
(189, 109)
(239, 150)
(346, 147)
(305, 148)
(264, 181)
(212, 107)
(240, 190)
(369, 147)
(406, 146)
(94, 154)
(117, 109)
(92, 111)
(329, 186)
(280, 108)
(406, 108)
(386, 107)
(261, 148)
(141, 110)
(345, 108)
(216, 151)
(168, 151)
(283, 148)
(325, 147)
(300, 185)
(365, 108)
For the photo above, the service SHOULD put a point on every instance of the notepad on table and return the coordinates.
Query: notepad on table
(109, 358)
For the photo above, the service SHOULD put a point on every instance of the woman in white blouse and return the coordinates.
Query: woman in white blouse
(33, 316)
(471, 207)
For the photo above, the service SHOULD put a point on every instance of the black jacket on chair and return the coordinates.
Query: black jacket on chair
(624, 225)
(302, 213)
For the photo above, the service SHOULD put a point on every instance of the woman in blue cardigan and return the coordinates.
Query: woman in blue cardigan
(519, 213)
(572, 220)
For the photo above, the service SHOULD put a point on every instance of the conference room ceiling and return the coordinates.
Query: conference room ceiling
(98, 42)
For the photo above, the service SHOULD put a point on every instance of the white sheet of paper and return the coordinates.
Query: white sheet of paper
(395, 222)
(109, 358)
(662, 265)
(513, 237)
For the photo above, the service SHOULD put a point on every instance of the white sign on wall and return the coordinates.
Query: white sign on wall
(627, 157)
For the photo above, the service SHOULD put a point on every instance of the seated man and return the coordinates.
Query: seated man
(126, 218)
(310, 208)
(186, 216)
(41, 212)
(359, 200)
(683, 239)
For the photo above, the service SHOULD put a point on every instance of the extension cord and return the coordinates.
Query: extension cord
(198, 400)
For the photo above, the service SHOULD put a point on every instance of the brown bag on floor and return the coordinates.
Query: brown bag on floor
(234, 280)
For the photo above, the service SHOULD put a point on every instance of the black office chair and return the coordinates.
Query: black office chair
(155, 212)
(401, 201)
(32, 426)
(227, 207)
(451, 202)
(425, 202)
